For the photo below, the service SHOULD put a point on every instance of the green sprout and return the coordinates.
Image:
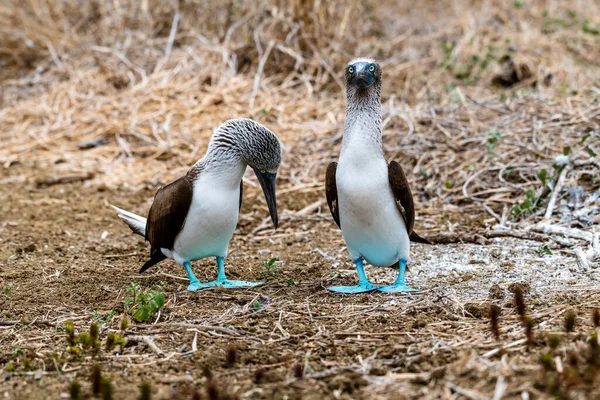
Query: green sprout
(527, 206)
(142, 304)
(544, 250)
(494, 137)
(270, 269)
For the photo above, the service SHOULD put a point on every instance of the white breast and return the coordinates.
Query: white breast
(371, 224)
(211, 220)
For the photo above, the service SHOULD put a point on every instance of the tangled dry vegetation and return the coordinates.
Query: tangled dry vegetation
(492, 107)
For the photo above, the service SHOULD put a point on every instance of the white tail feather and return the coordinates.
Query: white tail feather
(136, 223)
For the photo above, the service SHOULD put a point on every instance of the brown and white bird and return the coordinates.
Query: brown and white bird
(370, 200)
(195, 216)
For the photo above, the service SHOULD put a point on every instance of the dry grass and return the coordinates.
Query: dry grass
(479, 98)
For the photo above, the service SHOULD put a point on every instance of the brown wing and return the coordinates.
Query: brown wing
(166, 218)
(404, 199)
(331, 192)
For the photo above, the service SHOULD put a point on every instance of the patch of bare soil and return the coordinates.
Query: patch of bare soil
(65, 256)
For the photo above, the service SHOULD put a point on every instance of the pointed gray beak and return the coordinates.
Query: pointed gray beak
(363, 79)
(267, 182)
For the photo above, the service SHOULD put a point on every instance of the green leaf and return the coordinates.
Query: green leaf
(543, 175)
(142, 314)
(590, 151)
(159, 298)
(153, 306)
(566, 150)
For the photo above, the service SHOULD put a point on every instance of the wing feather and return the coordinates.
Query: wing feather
(166, 218)
(331, 192)
(404, 199)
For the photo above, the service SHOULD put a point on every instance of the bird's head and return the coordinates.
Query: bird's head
(262, 152)
(254, 144)
(363, 73)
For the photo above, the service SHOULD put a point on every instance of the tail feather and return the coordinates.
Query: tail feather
(414, 237)
(136, 223)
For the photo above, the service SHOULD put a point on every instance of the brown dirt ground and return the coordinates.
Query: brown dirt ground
(479, 97)
(364, 346)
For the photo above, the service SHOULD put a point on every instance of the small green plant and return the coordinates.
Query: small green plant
(543, 176)
(113, 340)
(257, 305)
(553, 341)
(270, 269)
(103, 319)
(518, 3)
(527, 206)
(546, 360)
(494, 137)
(448, 58)
(8, 290)
(544, 250)
(106, 389)
(75, 390)
(142, 304)
(96, 379)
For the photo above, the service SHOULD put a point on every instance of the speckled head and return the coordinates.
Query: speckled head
(363, 73)
(246, 140)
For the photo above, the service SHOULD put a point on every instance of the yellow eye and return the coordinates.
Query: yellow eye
(262, 171)
(350, 69)
(372, 68)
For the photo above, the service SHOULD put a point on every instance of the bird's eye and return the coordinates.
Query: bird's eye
(262, 171)
(350, 69)
(372, 68)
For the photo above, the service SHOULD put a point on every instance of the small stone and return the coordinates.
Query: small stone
(496, 291)
(29, 248)
(524, 286)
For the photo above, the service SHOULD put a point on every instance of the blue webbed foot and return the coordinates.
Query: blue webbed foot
(396, 289)
(232, 284)
(364, 288)
(400, 285)
(222, 280)
(196, 285)
(363, 283)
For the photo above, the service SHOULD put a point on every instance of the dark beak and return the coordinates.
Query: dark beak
(267, 182)
(363, 79)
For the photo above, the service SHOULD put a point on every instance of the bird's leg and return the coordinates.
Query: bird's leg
(363, 283)
(195, 284)
(226, 283)
(400, 284)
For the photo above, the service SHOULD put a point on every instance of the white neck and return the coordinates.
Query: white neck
(363, 129)
(228, 171)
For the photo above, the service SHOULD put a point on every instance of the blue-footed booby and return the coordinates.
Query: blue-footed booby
(195, 216)
(370, 199)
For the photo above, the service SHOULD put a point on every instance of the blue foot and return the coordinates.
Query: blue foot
(222, 280)
(396, 289)
(363, 283)
(400, 285)
(368, 287)
(229, 284)
(193, 286)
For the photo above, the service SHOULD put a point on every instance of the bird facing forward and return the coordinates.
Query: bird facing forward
(195, 216)
(370, 200)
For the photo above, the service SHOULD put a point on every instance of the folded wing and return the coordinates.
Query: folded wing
(404, 199)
